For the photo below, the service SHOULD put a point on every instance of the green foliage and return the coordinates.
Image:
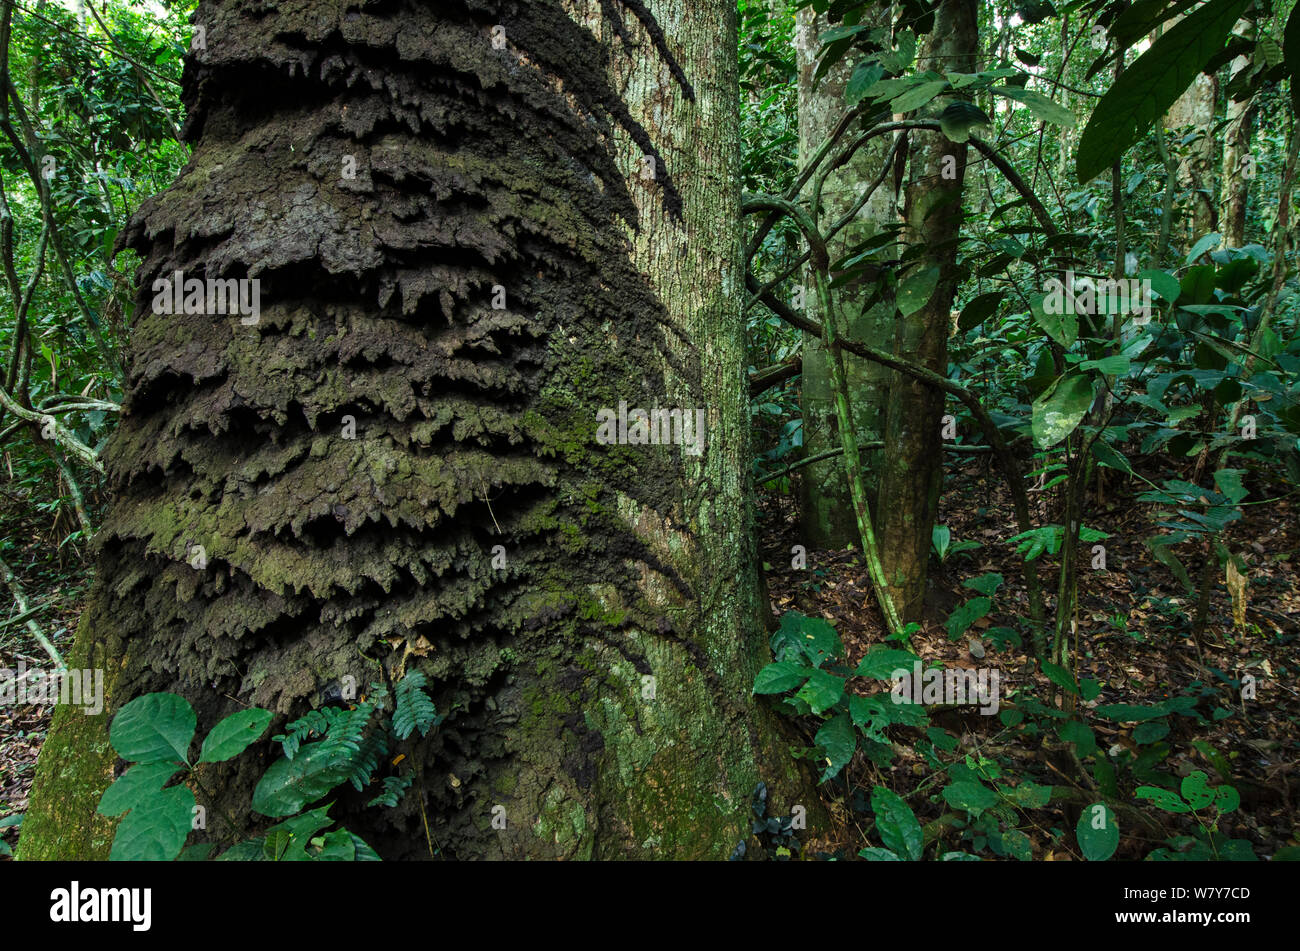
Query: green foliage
(1097, 832)
(414, 710)
(808, 669)
(11, 821)
(1206, 804)
(898, 828)
(323, 749)
(154, 732)
(945, 547)
(1145, 91)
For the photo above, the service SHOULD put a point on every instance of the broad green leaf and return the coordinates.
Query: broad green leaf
(155, 830)
(822, 691)
(1060, 676)
(960, 620)
(1059, 411)
(781, 676)
(866, 75)
(1144, 92)
(985, 584)
(1226, 799)
(812, 637)
(1238, 850)
(279, 846)
(1129, 712)
(1144, 16)
(1162, 282)
(287, 841)
(1116, 365)
(139, 784)
(1228, 481)
(1150, 732)
(1043, 107)
(1206, 244)
(880, 662)
(874, 853)
(290, 784)
(838, 738)
(234, 734)
(1160, 549)
(1108, 456)
(337, 847)
(835, 34)
(153, 728)
(1035, 11)
(942, 738)
(1072, 731)
(897, 824)
(1061, 326)
(1097, 832)
(1198, 285)
(979, 310)
(973, 797)
(959, 118)
(915, 291)
(941, 538)
(918, 97)
(250, 851)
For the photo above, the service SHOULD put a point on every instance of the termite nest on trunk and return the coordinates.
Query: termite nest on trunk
(380, 171)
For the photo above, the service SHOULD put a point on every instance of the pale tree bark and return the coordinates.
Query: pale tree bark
(827, 515)
(1192, 117)
(386, 170)
(912, 475)
(1238, 163)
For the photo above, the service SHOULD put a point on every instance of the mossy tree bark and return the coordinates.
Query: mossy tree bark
(1192, 116)
(387, 170)
(1238, 164)
(826, 511)
(912, 474)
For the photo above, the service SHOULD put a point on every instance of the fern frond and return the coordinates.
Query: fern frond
(414, 710)
(395, 788)
(314, 722)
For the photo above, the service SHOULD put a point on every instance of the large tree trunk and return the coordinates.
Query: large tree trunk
(476, 169)
(912, 475)
(826, 509)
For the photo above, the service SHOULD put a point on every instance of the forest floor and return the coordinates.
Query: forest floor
(1133, 634)
(55, 581)
(1133, 637)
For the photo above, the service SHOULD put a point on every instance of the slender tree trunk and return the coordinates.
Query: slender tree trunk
(1192, 115)
(440, 225)
(912, 475)
(827, 511)
(1238, 163)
